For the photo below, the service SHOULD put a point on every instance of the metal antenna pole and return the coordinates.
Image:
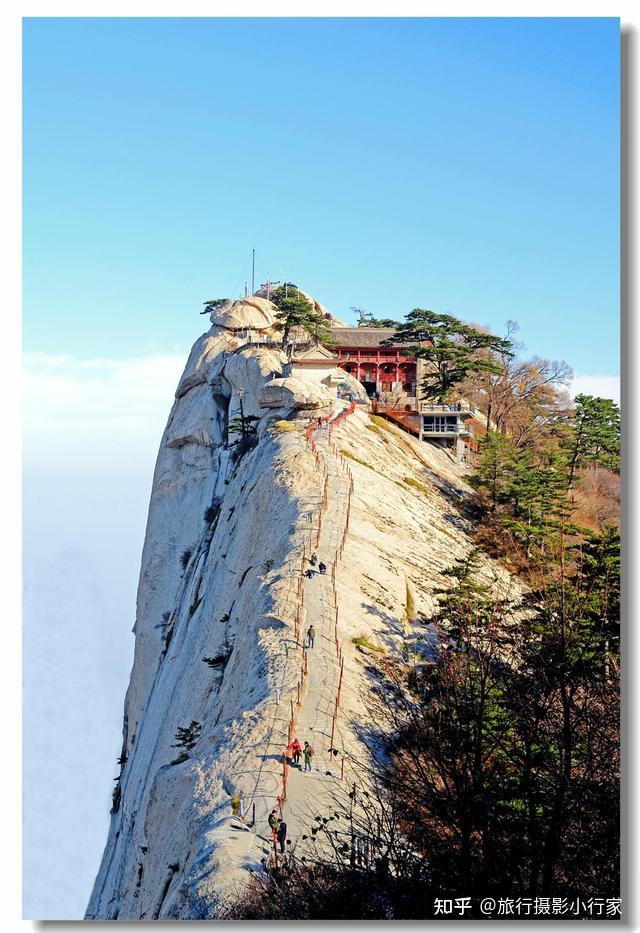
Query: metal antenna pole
(253, 271)
(284, 279)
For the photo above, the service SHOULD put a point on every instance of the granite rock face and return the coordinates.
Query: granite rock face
(215, 653)
(253, 312)
(295, 393)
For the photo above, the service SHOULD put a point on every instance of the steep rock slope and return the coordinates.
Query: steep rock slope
(382, 510)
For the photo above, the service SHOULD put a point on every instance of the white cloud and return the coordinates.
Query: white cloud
(107, 411)
(111, 412)
(601, 386)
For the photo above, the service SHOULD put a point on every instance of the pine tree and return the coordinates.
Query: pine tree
(535, 494)
(213, 304)
(497, 455)
(565, 701)
(525, 491)
(187, 736)
(599, 569)
(454, 349)
(454, 770)
(243, 424)
(295, 310)
(596, 435)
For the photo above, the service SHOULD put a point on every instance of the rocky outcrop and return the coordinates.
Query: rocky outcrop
(317, 307)
(295, 393)
(221, 605)
(252, 312)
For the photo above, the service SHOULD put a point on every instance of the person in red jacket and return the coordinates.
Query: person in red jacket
(295, 750)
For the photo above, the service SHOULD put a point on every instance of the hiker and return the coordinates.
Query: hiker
(273, 823)
(296, 750)
(308, 751)
(282, 834)
(313, 560)
(309, 573)
(319, 422)
(311, 636)
(322, 567)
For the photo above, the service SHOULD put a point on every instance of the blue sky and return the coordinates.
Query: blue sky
(461, 165)
(465, 166)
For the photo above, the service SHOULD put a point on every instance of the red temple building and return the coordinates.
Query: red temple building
(393, 378)
(380, 369)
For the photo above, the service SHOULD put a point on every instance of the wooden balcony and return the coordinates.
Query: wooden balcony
(462, 409)
(447, 430)
(370, 356)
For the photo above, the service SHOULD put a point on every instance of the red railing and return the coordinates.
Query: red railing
(404, 419)
(304, 668)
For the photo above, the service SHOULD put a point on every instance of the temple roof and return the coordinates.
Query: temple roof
(315, 354)
(361, 336)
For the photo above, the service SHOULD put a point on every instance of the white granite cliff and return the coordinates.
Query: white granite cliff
(229, 589)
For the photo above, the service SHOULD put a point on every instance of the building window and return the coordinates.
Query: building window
(441, 424)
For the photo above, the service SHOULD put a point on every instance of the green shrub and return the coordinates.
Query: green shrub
(165, 622)
(410, 481)
(282, 426)
(116, 798)
(212, 512)
(350, 456)
(382, 423)
(220, 660)
(376, 430)
(362, 642)
(187, 736)
(244, 445)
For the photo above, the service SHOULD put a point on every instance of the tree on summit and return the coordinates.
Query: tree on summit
(295, 310)
(381, 322)
(366, 319)
(213, 304)
(453, 348)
